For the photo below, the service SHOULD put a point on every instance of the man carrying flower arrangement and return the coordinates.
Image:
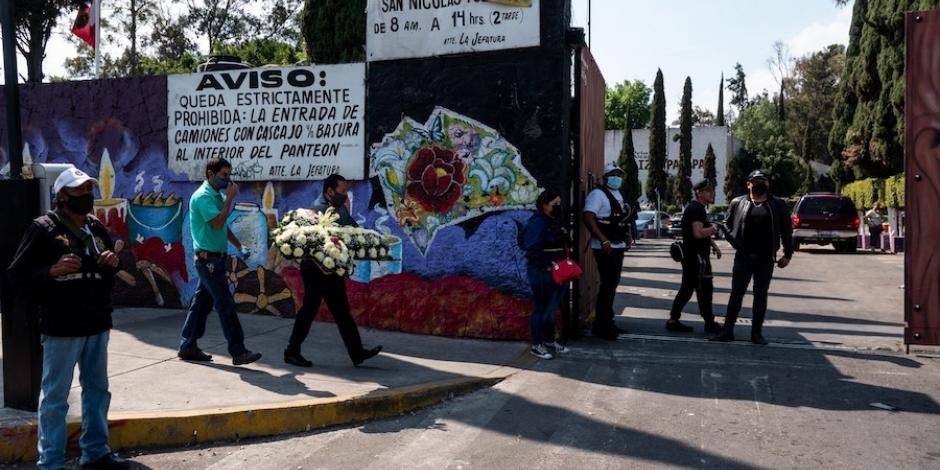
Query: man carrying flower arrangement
(327, 284)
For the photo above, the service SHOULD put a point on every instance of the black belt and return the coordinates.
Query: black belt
(202, 254)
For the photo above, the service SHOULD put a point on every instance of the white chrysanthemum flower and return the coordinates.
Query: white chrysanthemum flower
(373, 253)
(301, 239)
(285, 249)
(362, 253)
(342, 257)
(329, 263)
(361, 239)
(319, 256)
(383, 252)
(298, 252)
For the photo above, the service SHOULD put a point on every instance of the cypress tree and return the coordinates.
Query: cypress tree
(711, 172)
(720, 116)
(868, 121)
(334, 30)
(631, 188)
(657, 148)
(684, 179)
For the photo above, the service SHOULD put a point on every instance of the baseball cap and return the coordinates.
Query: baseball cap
(758, 174)
(71, 178)
(611, 167)
(701, 184)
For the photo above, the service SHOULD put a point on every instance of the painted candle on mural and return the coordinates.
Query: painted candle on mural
(250, 226)
(267, 205)
(155, 216)
(111, 211)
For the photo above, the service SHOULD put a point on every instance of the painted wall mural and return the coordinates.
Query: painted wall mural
(449, 170)
(452, 190)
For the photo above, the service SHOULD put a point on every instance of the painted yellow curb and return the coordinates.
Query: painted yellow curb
(168, 429)
(180, 428)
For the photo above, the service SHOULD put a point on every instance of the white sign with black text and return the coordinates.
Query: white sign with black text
(283, 123)
(402, 29)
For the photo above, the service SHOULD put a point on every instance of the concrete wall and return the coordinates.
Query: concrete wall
(722, 142)
(458, 268)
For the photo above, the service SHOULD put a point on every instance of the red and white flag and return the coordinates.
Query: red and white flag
(86, 22)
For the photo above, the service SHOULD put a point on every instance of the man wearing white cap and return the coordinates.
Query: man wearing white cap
(608, 220)
(66, 265)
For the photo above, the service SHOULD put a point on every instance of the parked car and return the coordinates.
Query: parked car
(646, 220)
(674, 225)
(825, 218)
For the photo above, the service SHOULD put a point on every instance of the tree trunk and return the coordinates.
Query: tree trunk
(36, 53)
(133, 34)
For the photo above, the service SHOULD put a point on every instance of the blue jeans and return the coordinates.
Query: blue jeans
(546, 296)
(213, 292)
(59, 356)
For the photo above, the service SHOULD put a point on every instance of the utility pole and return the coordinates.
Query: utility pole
(10, 90)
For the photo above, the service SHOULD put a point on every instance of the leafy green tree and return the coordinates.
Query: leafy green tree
(627, 98)
(334, 30)
(656, 179)
(631, 189)
(737, 85)
(34, 22)
(813, 91)
(868, 121)
(764, 136)
(683, 189)
(711, 172)
(736, 171)
(720, 114)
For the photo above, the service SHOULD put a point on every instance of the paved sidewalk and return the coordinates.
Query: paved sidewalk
(160, 400)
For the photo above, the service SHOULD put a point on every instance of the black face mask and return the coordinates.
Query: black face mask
(759, 189)
(81, 205)
(338, 199)
(556, 212)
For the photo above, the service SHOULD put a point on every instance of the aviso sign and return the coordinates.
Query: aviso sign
(286, 123)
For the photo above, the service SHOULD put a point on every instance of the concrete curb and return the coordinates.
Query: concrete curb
(182, 428)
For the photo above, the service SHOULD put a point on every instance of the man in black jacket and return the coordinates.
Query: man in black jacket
(759, 224)
(66, 265)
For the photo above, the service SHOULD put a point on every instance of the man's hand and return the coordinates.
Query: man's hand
(67, 264)
(108, 259)
(716, 251)
(605, 245)
(783, 262)
(231, 191)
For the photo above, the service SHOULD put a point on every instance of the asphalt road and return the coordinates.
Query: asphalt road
(811, 399)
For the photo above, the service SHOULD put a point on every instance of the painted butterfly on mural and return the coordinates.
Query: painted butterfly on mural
(433, 134)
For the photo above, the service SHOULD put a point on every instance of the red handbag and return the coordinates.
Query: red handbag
(566, 270)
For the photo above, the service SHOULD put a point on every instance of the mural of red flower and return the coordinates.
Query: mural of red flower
(436, 178)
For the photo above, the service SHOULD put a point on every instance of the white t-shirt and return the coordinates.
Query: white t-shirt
(598, 203)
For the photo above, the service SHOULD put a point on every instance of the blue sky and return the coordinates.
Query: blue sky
(703, 38)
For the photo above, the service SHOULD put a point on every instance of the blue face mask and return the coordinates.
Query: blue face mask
(614, 182)
(222, 183)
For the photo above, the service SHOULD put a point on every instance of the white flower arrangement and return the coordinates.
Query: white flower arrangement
(307, 235)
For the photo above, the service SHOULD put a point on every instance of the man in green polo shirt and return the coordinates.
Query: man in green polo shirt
(208, 216)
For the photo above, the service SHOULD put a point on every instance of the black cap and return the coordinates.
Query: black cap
(758, 174)
(702, 184)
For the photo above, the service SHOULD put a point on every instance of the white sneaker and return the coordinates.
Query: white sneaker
(541, 352)
(559, 348)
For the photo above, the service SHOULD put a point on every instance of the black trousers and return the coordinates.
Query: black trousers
(332, 288)
(697, 277)
(609, 267)
(745, 268)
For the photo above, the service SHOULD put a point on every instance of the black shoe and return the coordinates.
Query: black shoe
(246, 357)
(678, 327)
(367, 354)
(724, 338)
(108, 462)
(712, 327)
(758, 339)
(195, 356)
(294, 358)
